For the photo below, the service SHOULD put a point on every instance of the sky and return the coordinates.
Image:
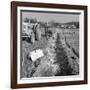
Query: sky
(43, 16)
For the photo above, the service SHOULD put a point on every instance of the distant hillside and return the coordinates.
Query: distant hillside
(67, 25)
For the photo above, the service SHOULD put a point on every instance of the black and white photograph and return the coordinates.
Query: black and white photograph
(49, 44)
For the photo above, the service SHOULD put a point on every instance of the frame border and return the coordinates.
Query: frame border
(13, 43)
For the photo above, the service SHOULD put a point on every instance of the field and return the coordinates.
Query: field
(61, 55)
(72, 37)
